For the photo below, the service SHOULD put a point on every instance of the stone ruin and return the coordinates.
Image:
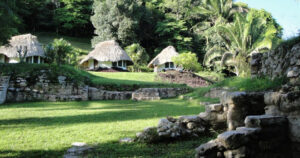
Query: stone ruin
(171, 129)
(266, 124)
(277, 63)
(256, 124)
(20, 89)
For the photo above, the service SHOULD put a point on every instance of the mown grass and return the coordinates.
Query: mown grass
(129, 80)
(45, 129)
(251, 84)
(213, 76)
(80, 43)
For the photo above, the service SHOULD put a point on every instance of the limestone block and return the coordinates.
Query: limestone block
(272, 98)
(233, 139)
(237, 153)
(210, 148)
(261, 121)
(214, 108)
(294, 128)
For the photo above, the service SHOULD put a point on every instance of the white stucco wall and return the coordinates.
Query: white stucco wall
(105, 64)
(2, 58)
(160, 68)
(14, 60)
(91, 64)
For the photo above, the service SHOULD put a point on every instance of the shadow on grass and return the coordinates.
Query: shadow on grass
(175, 149)
(110, 111)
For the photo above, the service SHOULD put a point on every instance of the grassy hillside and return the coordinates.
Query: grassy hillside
(81, 43)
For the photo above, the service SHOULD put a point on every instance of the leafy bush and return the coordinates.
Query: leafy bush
(188, 61)
(138, 55)
(60, 52)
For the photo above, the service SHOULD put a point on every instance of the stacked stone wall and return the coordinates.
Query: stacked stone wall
(21, 89)
(277, 63)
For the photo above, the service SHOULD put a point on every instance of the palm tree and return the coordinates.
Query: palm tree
(246, 35)
(216, 11)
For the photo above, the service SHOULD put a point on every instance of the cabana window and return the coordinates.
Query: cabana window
(169, 65)
(115, 64)
(34, 59)
(120, 63)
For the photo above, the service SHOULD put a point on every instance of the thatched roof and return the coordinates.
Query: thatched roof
(164, 56)
(107, 51)
(34, 48)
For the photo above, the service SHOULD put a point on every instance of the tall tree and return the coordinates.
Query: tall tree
(35, 15)
(74, 15)
(114, 19)
(9, 20)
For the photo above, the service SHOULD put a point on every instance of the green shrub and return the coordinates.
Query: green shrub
(251, 84)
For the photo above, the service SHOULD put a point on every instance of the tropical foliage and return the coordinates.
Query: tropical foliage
(190, 25)
(60, 52)
(138, 55)
(246, 35)
(188, 61)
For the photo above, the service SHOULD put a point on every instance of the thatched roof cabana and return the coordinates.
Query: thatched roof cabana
(107, 51)
(164, 56)
(34, 48)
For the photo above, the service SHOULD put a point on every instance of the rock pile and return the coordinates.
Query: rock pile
(230, 113)
(171, 129)
(263, 136)
(187, 78)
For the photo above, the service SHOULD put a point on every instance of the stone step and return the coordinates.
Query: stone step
(262, 121)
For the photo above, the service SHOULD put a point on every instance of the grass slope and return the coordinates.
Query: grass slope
(47, 129)
(123, 81)
(128, 80)
(80, 43)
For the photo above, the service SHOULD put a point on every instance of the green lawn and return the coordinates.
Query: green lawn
(81, 43)
(45, 129)
(128, 80)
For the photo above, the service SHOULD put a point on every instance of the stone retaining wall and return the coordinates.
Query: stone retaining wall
(277, 63)
(158, 93)
(20, 90)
